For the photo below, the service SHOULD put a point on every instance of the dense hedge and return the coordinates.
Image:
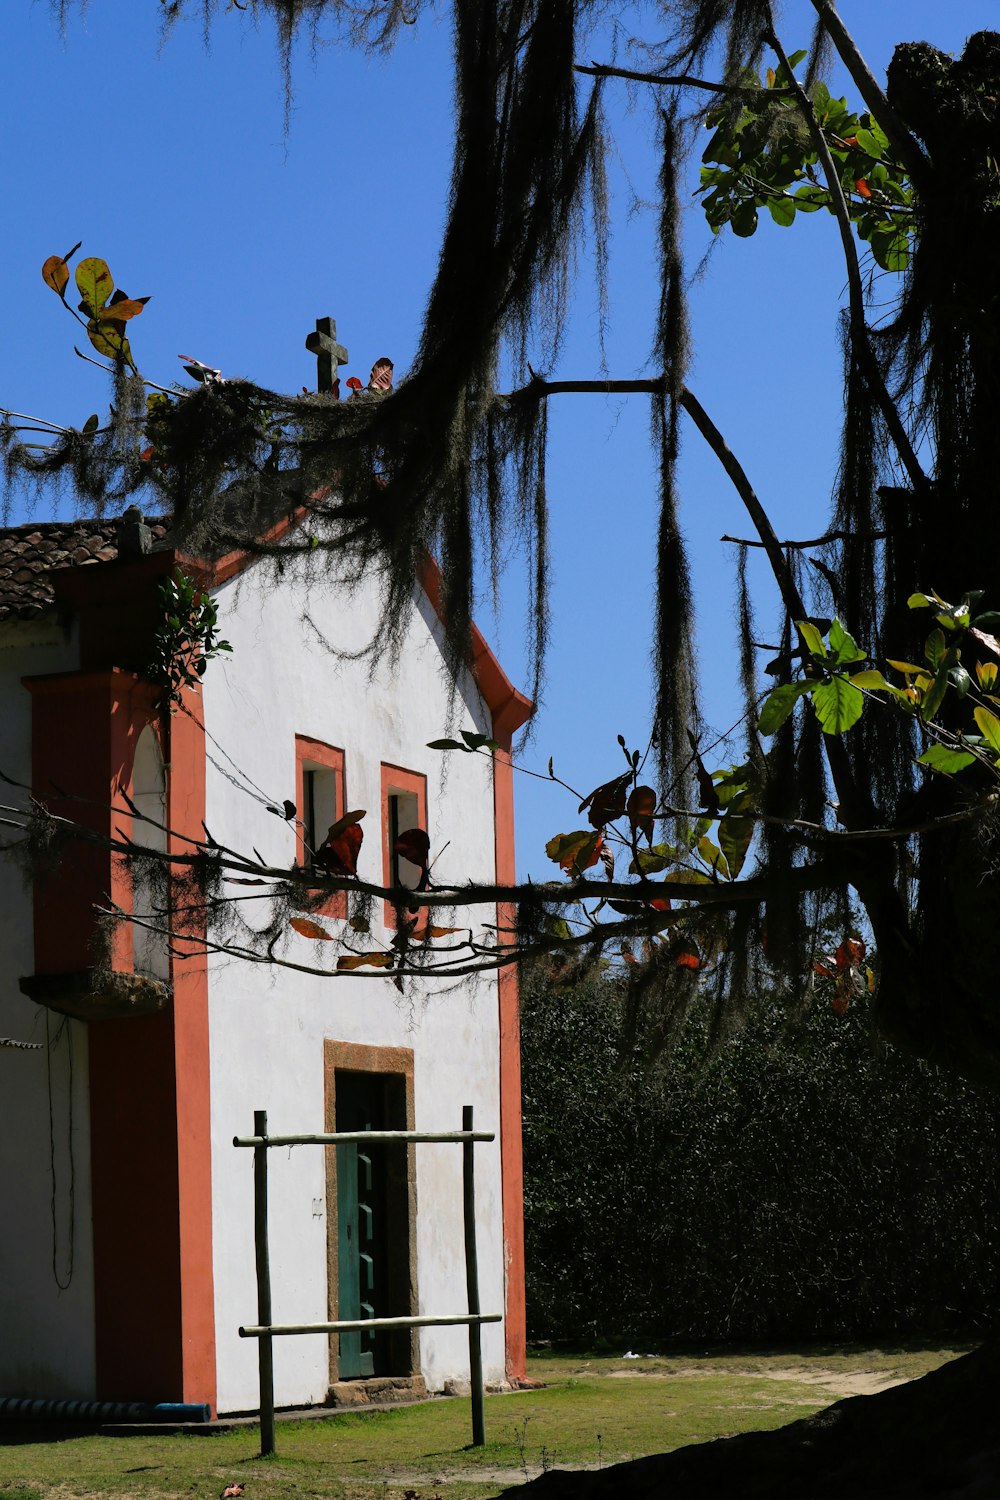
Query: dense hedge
(799, 1186)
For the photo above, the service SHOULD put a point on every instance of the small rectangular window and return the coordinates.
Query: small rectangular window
(404, 813)
(321, 805)
(320, 799)
(404, 806)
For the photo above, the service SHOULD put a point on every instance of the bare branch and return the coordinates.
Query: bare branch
(680, 80)
(816, 541)
(859, 328)
(900, 139)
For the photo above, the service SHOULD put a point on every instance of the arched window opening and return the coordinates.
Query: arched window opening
(149, 793)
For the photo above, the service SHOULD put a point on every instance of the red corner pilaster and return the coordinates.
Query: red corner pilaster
(149, 1079)
(510, 713)
(185, 818)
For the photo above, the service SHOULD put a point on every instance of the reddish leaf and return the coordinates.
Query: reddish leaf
(146, 455)
(336, 829)
(575, 852)
(425, 933)
(362, 960)
(862, 187)
(122, 310)
(55, 273)
(687, 957)
(305, 928)
(823, 971)
(640, 908)
(353, 383)
(606, 802)
(339, 855)
(708, 796)
(640, 808)
(414, 845)
(840, 1004)
(849, 954)
(231, 1492)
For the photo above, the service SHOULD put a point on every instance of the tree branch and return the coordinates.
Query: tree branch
(680, 80)
(790, 595)
(859, 327)
(816, 541)
(902, 141)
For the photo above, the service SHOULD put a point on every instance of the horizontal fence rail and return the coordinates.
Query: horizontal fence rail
(266, 1331)
(363, 1325)
(358, 1137)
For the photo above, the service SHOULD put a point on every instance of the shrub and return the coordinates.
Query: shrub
(800, 1184)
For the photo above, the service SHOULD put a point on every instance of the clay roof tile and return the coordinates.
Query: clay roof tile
(30, 554)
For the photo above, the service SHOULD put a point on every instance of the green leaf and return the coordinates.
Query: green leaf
(744, 220)
(94, 283)
(844, 647)
(779, 704)
(478, 741)
(652, 861)
(867, 141)
(687, 877)
(872, 680)
(936, 693)
(713, 856)
(935, 648)
(448, 745)
(989, 726)
(838, 704)
(814, 642)
(920, 601)
(782, 211)
(940, 758)
(735, 834)
(811, 197)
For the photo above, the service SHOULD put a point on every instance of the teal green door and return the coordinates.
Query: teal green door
(366, 1228)
(355, 1255)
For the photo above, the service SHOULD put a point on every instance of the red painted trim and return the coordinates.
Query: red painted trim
(212, 574)
(508, 708)
(189, 975)
(150, 1155)
(414, 782)
(330, 757)
(511, 1157)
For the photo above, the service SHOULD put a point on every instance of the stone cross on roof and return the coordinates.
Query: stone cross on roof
(329, 354)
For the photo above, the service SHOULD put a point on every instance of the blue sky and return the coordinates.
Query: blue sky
(171, 162)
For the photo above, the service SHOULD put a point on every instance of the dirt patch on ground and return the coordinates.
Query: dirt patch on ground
(838, 1382)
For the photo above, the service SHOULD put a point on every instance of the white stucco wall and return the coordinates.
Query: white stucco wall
(47, 1342)
(268, 1025)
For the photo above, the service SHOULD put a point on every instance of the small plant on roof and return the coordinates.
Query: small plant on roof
(187, 639)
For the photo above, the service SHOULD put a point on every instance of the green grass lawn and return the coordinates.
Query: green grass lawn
(595, 1409)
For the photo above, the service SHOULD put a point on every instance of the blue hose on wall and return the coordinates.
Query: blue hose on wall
(62, 1409)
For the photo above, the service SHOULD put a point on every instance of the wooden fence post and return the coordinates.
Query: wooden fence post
(472, 1280)
(265, 1344)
